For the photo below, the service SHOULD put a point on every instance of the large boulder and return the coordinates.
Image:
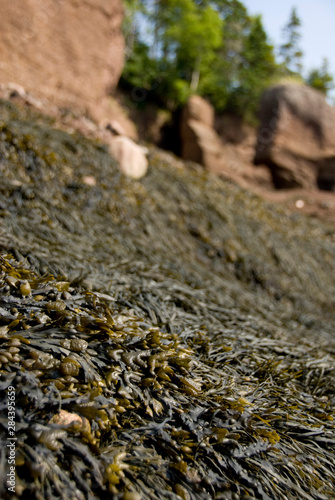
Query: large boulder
(296, 138)
(70, 52)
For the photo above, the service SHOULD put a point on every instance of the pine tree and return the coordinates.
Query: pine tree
(290, 51)
(210, 47)
(320, 78)
(257, 69)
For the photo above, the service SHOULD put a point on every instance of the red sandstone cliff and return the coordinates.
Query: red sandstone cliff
(68, 51)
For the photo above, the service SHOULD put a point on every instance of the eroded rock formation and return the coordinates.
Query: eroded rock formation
(296, 137)
(201, 142)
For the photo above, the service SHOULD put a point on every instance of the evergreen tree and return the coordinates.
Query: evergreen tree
(321, 79)
(222, 76)
(192, 33)
(257, 69)
(211, 47)
(290, 51)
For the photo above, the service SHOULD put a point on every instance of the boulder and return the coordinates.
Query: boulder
(68, 52)
(201, 144)
(199, 141)
(131, 157)
(296, 138)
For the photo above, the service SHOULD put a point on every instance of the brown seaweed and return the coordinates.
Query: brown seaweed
(160, 347)
(211, 420)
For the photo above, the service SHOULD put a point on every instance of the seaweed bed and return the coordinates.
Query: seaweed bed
(166, 338)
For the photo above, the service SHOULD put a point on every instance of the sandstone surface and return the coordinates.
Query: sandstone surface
(68, 51)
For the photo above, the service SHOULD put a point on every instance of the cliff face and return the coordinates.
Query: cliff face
(68, 51)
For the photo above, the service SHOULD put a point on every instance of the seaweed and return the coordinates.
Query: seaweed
(209, 419)
(169, 338)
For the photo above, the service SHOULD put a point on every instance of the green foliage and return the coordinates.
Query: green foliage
(140, 70)
(130, 21)
(221, 78)
(290, 51)
(210, 47)
(257, 68)
(321, 79)
(188, 23)
(187, 35)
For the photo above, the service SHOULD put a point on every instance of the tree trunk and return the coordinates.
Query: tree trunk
(196, 75)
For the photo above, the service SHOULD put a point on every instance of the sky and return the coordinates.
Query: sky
(317, 30)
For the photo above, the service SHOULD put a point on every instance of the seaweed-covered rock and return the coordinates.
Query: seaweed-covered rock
(108, 401)
(296, 137)
(162, 339)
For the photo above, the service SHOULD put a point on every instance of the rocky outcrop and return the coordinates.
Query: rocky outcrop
(69, 52)
(296, 138)
(199, 141)
(205, 140)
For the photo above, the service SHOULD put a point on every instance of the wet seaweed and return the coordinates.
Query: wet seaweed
(120, 401)
(169, 338)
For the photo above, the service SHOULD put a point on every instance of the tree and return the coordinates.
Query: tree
(223, 75)
(177, 49)
(321, 79)
(290, 51)
(192, 33)
(257, 70)
(210, 47)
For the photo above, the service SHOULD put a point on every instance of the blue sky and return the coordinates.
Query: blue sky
(317, 30)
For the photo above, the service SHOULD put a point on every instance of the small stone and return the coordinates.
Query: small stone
(89, 180)
(300, 204)
(327, 204)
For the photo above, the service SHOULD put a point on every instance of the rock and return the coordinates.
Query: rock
(130, 156)
(201, 144)
(199, 141)
(326, 174)
(233, 129)
(115, 128)
(152, 122)
(111, 112)
(69, 52)
(241, 170)
(296, 138)
(200, 110)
